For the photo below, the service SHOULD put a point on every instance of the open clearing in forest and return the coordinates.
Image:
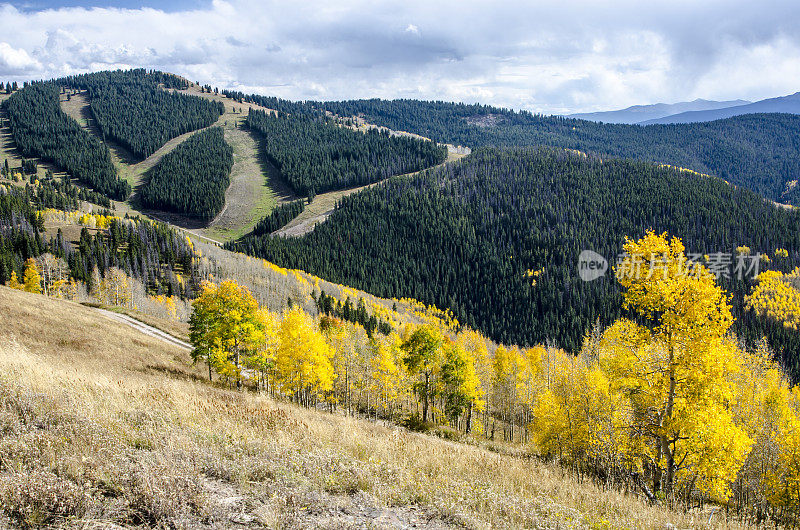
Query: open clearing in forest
(256, 186)
(323, 205)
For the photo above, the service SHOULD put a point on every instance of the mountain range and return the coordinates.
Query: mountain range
(641, 113)
(699, 110)
(786, 104)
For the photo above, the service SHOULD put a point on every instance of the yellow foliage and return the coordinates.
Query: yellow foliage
(677, 371)
(32, 279)
(303, 357)
(775, 296)
(13, 282)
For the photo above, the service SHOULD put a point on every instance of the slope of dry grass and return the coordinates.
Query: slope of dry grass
(104, 426)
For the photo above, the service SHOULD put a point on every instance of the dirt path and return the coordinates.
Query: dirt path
(144, 328)
(323, 204)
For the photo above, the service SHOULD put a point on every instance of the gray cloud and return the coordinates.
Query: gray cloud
(550, 56)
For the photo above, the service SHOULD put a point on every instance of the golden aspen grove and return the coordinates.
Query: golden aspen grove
(665, 403)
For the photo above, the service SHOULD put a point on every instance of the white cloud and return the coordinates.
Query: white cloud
(16, 61)
(549, 56)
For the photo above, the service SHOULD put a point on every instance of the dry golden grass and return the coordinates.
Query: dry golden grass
(104, 425)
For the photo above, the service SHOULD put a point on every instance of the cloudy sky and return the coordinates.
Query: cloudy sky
(550, 56)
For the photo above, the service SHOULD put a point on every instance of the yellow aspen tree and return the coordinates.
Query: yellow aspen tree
(13, 282)
(303, 357)
(549, 426)
(238, 327)
(783, 479)
(32, 280)
(386, 373)
(762, 389)
(559, 426)
(116, 288)
(346, 359)
(676, 369)
(476, 346)
(472, 388)
(461, 387)
(262, 359)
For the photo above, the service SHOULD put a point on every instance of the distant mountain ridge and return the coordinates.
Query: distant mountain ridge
(786, 104)
(641, 113)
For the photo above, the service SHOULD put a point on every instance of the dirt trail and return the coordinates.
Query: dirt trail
(144, 328)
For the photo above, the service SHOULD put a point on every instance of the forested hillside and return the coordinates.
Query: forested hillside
(131, 108)
(757, 151)
(193, 178)
(279, 217)
(150, 252)
(271, 102)
(315, 154)
(496, 238)
(41, 129)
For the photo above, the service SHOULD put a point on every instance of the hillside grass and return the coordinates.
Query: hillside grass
(103, 425)
(256, 188)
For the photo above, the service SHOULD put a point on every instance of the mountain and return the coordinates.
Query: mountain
(496, 238)
(492, 245)
(640, 113)
(760, 152)
(785, 104)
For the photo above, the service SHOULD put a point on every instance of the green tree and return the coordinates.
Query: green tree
(423, 359)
